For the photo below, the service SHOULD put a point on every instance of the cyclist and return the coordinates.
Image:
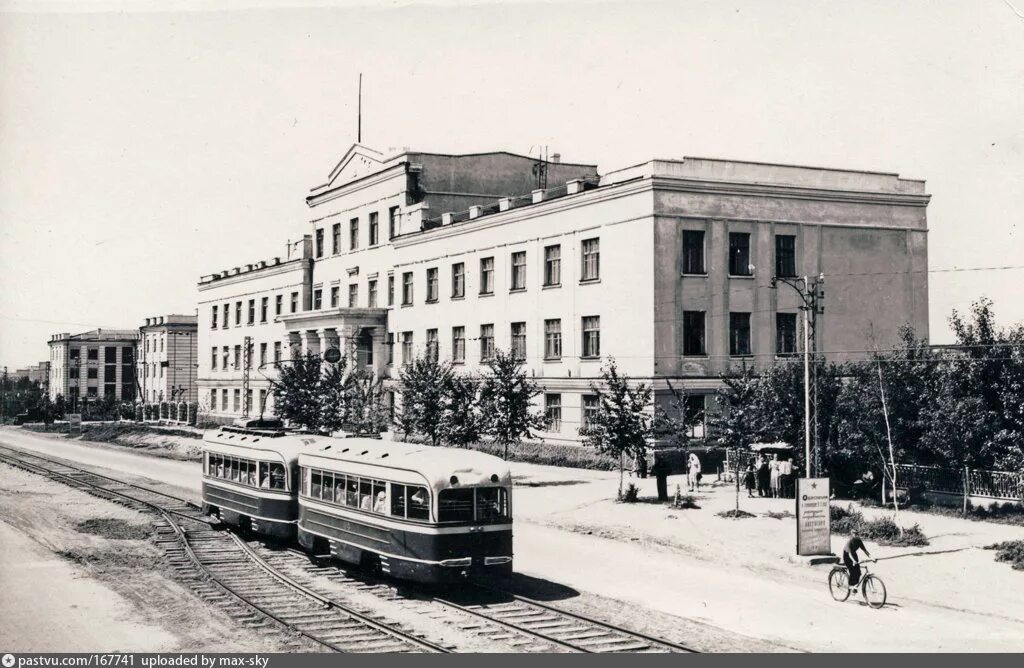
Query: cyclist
(850, 558)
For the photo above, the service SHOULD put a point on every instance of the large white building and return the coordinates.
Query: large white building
(665, 266)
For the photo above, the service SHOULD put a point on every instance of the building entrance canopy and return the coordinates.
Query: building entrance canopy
(359, 333)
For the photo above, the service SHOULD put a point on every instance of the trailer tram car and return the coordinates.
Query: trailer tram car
(250, 478)
(426, 514)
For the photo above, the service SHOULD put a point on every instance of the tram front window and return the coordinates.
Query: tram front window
(492, 504)
(455, 505)
(277, 476)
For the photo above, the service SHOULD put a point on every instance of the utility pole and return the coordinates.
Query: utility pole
(246, 365)
(812, 294)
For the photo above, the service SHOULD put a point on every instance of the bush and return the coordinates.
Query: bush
(1011, 552)
(883, 530)
(631, 494)
(572, 456)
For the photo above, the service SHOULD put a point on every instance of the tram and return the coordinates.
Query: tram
(412, 512)
(250, 478)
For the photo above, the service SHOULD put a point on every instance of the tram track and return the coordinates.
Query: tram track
(225, 570)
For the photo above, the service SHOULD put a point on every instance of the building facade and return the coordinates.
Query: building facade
(168, 359)
(666, 266)
(93, 365)
(36, 373)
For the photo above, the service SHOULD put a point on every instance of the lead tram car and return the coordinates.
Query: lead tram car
(426, 514)
(250, 478)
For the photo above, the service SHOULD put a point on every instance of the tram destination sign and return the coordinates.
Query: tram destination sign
(813, 523)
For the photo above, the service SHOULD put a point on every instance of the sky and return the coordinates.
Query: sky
(144, 144)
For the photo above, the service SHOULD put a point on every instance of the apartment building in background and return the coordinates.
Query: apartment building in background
(168, 359)
(36, 373)
(665, 266)
(93, 365)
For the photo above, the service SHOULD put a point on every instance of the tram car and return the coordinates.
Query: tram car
(412, 512)
(250, 477)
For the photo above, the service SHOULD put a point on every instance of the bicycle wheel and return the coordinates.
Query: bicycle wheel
(838, 583)
(874, 591)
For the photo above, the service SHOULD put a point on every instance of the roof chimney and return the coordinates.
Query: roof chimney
(556, 157)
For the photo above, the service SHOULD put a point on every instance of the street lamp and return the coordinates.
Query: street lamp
(808, 293)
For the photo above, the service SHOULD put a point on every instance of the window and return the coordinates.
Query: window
(519, 340)
(492, 505)
(785, 255)
(693, 333)
(238, 357)
(392, 222)
(335, 296)
(407, 288)
(553, 265)
(592, 336)
(458, 345)
(213, 322)
(487, 276)
(455, 505)
(353, 295)
(552, 339)
(110, 390)
(406, 347)
(251, 313)
(353, 234)
(320, 242)
(295, 302)
(277, 351)
(264, 308)
(785, 333)
(318, 299)
(238, 313)
(248, 406)
(110, 373)
(92, 373)
(458, 280)
(224, 399)
(591, 270)
(263, 400)
(391, 349)
(227, 315)
(93, 354)
(336, 238)
(519, 270)
(432, 288)
(225, 357)
(695, 415)
(391, 290)
(278, 304)
(374, 234)
(739, 334)
(127, 355)
(693, 252)
(410, 502)
(90, 392)
(739, 254)
(110, 354)
(263, 353)
(371, 293)
(73, 372)
(591, 404)
(213, 401)
(553, 411)
(432, 351)
(213, 359)
(237, 400)
(75, 353)
(486, 342)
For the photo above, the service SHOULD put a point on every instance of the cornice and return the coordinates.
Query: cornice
(354, 186)
(241, 277)
(709, 187)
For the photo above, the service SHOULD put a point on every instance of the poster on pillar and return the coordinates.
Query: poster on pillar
(813, 520)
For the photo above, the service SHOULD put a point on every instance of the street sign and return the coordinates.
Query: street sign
(332, 355)
(813, 523)
(74, 424)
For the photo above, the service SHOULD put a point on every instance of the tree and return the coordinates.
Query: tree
(462, 421)
(622, 426)
(424, 383)
(59, 407)
(297, 392)
(506, 402)
(337, 384)
(673, 424)
(368, 412)
(738, 419)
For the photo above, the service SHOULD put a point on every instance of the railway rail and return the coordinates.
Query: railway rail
(225, 570)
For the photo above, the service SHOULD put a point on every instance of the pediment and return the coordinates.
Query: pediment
(357, 162)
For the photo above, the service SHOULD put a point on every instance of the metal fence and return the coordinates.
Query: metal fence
(1006, 485)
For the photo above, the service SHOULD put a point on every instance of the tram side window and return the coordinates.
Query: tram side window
(314, 490)
(277, 476)
(220, 466)
(339, 489)
(365, 494)
(352, 492)
(398, 500)
(492, 504)
(410, 501)
(251, 473)
(327, 479)
(234, 469)
(264, 475)
(455, 505)
(305, 481)
(380, 497)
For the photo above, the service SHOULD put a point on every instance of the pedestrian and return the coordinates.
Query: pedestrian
(785, 478)
(762, 476)
(773, 469)
(749, 480)
(693, 472)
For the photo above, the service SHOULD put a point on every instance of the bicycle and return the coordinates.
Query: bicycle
(871, 586)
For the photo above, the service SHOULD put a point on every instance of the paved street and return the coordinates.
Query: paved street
(684, 571)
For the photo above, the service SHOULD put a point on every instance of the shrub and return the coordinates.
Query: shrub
(735, 514)
(1011, 552)
(532, 452)
(882, 530)
(631, 494)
